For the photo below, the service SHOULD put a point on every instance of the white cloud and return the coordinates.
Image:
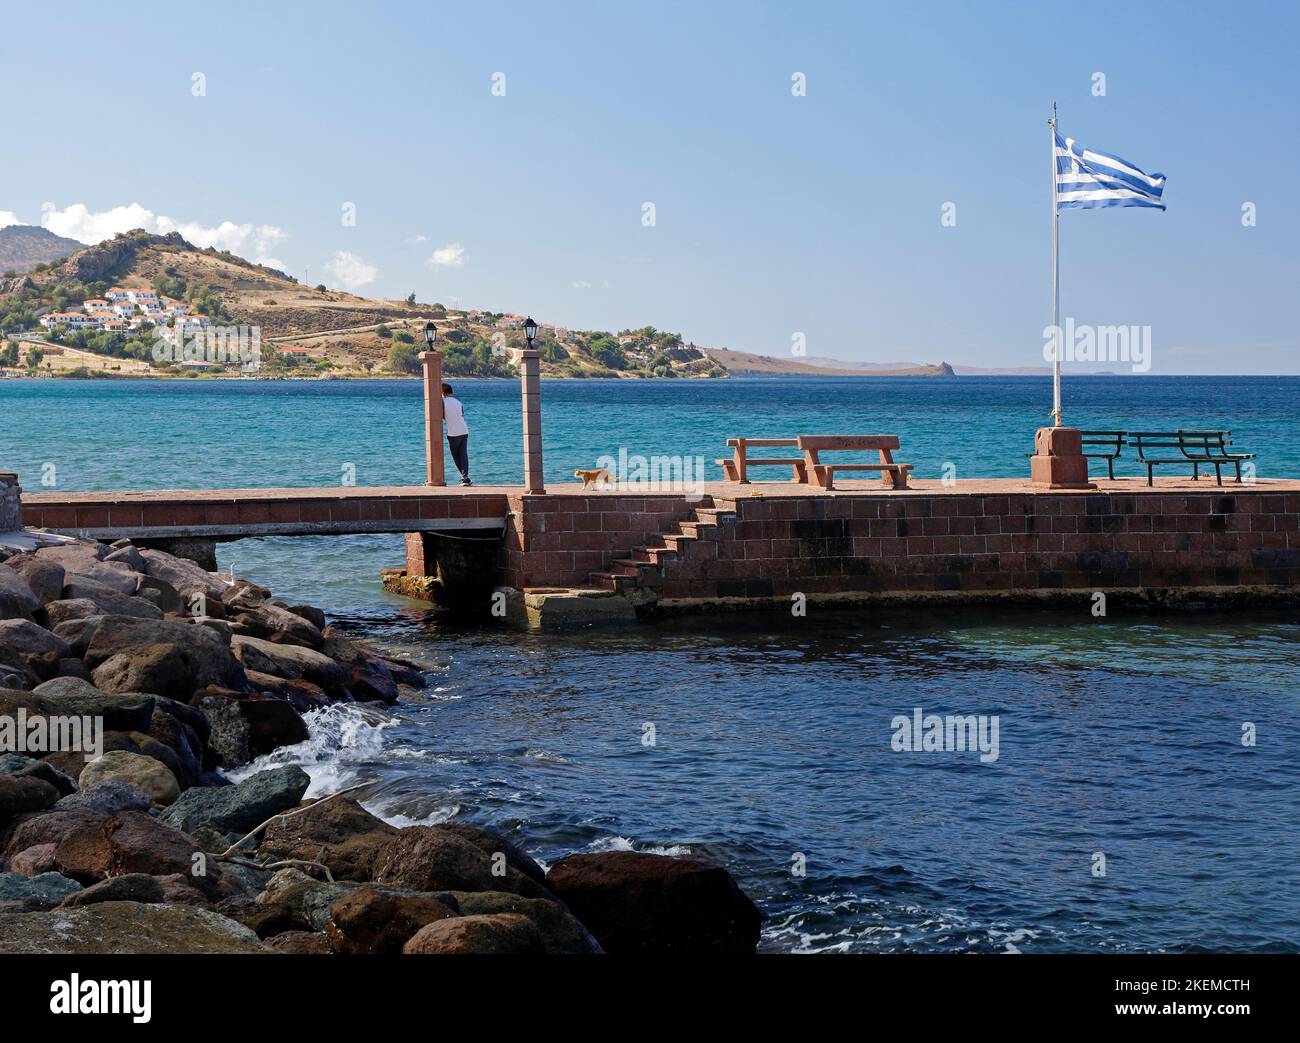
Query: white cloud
(450, 256)
(7, 218)
(79, 222)
(582, 284)
(350, 271)
(415, 238)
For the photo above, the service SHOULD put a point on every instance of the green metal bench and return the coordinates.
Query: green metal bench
(1108, 446)
(1198, 448)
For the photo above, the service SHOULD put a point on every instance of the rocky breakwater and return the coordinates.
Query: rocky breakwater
(133, 681)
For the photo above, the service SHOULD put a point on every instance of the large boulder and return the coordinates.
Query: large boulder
(369, 922)
(562, 934)
(239, 808)
(51, 827)
(230, 742)
(176, 658)
(27, 639)
(62, 610)
(74, 697)
(290, 661)
(183, 575)
(134, 842)
(493, 843)
(126, 927)
(637, 902)
(40, 892)
(430, 858)
(17, 601)
(44, 577)
(109, 600)
(106, 798)
(499, 934)
(145, 773)
(22, 793)
(99, 578)
(269, 620)
(338, 832)
(133, 887)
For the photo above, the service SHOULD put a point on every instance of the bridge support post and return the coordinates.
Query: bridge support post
(530, 379)
(433, 417)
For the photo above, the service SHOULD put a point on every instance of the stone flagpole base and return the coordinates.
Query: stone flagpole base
(1058, 461)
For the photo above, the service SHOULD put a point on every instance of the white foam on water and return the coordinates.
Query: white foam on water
(341, 739)
(626, 844)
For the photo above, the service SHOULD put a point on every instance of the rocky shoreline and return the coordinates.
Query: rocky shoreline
(132, 682)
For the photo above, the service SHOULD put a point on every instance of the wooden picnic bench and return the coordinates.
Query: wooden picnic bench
(823, 475)
(737, 468)
(1198, 448)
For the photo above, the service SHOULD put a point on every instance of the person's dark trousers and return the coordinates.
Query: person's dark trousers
(459, 445)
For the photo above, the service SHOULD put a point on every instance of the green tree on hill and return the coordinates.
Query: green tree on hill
(403, 358)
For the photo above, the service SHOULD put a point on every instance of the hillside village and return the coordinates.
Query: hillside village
(103, 309)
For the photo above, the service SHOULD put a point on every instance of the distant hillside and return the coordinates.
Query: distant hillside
(23, 247)
(316, 331)
(743, 364)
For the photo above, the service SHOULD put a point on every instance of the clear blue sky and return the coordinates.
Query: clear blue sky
(775, 214)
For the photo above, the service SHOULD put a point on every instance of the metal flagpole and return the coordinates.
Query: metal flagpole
(1056, 279)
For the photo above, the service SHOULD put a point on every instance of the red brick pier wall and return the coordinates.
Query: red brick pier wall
(872, 542)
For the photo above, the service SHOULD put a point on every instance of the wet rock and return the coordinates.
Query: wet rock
(430, 858)
(133, 887)
(290, 661)
(303, 696)
(313, 615)
(272, 723)
(182, 742)
(126, 927)
(106, 798)
(338, 832)
(301, 943)
(17, 600)
(491, 843)
(499, 934)
(637, 902)
(562, 934)
(21, 793)
(240, 808)
(271, 621)
(368, 921)
(145, 773)
(44, 891)
(230, 739)
(368, 677)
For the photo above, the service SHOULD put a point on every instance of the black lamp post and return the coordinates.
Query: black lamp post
(530, 330)
(430, 334)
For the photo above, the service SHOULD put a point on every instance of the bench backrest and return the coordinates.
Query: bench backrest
(1190, 443)
(760, 441)
(1110, 439)
(829, 443)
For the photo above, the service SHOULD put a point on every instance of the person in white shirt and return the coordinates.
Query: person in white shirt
(453, 416)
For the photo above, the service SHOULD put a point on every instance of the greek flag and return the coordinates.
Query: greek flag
(1086, 179)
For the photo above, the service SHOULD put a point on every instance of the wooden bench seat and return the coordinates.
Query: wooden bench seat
(737, 468)
(895, 474)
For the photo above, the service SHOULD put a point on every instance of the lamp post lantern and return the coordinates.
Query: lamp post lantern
(430, 334)
(530, 330)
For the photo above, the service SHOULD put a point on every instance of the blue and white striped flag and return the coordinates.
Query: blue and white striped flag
(1086, 179)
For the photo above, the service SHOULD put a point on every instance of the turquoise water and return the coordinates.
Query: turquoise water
(188, 434)
(1119, 736)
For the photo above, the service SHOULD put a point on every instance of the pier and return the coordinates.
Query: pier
(571, 555)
